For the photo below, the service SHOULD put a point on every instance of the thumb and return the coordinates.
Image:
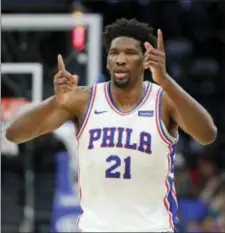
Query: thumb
(75, 79)
(148, 45)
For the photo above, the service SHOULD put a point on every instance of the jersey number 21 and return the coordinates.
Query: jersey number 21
(117, 162)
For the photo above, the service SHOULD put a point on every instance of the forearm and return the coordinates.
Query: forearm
(190, 115)
(37, 121)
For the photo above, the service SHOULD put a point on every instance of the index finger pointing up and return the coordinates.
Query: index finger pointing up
(61, 65)
(160, 42)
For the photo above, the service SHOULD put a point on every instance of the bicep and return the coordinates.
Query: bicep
(55, 120)
(74, 110)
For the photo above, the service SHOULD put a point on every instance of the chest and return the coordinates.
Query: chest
(123, 146)
(137, 132)
(123, 149)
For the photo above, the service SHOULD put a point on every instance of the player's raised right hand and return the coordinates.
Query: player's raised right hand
(65, 85)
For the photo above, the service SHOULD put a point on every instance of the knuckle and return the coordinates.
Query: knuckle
(63, 80)
(67, 74)
(56, 81)
(148, 57)
(60, 73)
(63, 87)
(152, 51)
(56, 76)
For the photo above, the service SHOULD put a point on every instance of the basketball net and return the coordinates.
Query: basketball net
(10, 108)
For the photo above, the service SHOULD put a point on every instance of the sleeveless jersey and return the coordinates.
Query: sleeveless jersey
(126, 172)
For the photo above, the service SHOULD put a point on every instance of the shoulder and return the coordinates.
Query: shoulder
(154, 87)
(83, 94)
(161, 95)
(84, 89)
(163, 100)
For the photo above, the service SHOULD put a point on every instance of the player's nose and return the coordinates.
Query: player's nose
(121, 60)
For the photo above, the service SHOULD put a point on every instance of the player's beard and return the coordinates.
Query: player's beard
(121, 83)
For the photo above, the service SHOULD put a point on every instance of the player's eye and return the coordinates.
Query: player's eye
(131, 52)
(113, 52)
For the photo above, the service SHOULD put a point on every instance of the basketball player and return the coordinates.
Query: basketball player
(127, 132)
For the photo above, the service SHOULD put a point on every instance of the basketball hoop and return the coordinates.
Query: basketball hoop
(10, 108)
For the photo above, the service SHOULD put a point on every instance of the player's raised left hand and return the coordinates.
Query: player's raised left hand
(155, 59)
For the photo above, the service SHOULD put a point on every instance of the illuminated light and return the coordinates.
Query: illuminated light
(78, 38)
(77, 14)
(78, 34)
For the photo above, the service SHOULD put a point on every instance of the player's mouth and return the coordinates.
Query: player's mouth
(120, 75)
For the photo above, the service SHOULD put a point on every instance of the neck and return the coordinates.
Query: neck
(126, 98)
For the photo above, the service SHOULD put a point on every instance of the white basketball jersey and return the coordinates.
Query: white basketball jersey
(126, 166)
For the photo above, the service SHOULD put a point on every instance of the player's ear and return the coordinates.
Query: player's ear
(107, 66)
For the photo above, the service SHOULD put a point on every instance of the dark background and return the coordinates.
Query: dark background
(194, 33)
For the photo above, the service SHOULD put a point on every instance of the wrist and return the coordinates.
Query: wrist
(56, 102)
(167, 81)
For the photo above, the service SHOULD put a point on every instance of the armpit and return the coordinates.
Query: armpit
(168, 109)
(168, 115)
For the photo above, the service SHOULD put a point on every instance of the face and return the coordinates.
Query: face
(125, 62)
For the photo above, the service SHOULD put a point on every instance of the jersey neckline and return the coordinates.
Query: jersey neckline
(148, 89)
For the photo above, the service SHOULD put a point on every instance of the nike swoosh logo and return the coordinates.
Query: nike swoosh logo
(99, 112)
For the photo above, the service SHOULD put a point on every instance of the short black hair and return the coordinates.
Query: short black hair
(130, 28)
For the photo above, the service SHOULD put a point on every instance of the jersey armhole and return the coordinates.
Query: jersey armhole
(161, 128)
(87, 111)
